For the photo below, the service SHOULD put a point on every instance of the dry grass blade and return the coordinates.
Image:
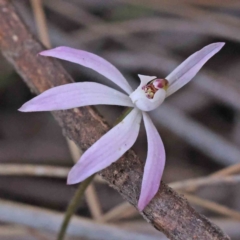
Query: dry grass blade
(33, 170)
(123, 210)
(220, 177)
(215, 3)
(204, 181)
(234, 169)
(8, 232)
(93, 202)
(212, 206)
(41, 22)
(43, 219)
(75, 151)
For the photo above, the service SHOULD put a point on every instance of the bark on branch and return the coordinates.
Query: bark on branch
(168, 212)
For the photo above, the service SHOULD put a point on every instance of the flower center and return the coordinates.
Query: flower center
(153, 86)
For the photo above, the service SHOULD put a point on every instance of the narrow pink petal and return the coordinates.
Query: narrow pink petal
(92, 61)
(76, 95)
(108, 149)
(190, 67)
(154, 165)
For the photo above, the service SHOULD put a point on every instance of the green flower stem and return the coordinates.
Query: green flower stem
(73, 205)
(123, 115)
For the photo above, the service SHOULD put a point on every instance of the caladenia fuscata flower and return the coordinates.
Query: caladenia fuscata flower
(150, 94)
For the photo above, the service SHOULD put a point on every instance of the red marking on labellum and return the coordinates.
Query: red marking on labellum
(153, 86)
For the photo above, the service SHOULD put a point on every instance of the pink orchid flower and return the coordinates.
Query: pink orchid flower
(150, 94)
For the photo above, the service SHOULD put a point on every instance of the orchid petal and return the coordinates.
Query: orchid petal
(76, 95)
(189, 68)
(92, 61)
(108, 149)
(154, 165)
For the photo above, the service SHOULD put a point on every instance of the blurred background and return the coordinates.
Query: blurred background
(199, 125)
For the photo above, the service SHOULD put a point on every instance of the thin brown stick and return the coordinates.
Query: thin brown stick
(168, 211)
